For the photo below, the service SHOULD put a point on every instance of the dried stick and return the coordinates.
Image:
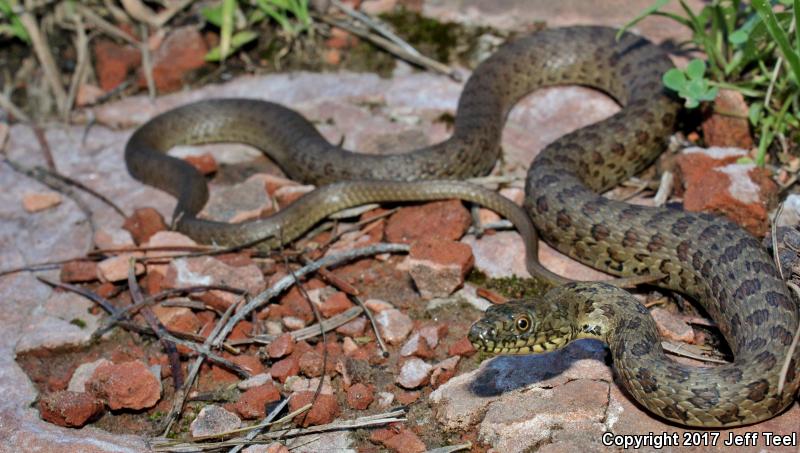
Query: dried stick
(6, 104)
(308, 331)
(104, 25)
(94, 297)
(259, 428)
(132, 309)
(180, 396)
(59, 182)
(420, 60)
(44, 56)
(82, 66)
(155, 324)
(147, 62)
(287, 281)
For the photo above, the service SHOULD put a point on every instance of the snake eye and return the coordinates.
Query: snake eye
(523, 323)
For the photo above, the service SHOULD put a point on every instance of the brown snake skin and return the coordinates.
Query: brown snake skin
(710, 259)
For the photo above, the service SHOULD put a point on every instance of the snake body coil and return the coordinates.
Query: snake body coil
(707, 258)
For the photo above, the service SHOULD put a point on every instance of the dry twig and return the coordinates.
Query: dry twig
(287, 281)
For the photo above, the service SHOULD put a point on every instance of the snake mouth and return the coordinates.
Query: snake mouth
(484, 338)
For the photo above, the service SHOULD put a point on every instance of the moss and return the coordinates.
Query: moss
(78, 322)
(511, 287)
(431, 37)
(518, 288)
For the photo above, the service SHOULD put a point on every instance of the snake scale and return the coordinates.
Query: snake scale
(707, 258)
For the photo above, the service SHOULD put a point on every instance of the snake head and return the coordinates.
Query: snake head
(521, 327)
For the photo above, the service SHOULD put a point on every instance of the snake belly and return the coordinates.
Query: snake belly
(705, 257)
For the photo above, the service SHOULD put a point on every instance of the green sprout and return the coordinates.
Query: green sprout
(691, 84)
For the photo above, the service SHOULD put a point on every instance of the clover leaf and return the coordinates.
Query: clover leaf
(690, 83)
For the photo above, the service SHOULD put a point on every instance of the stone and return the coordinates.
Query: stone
(286, 195)
(112, 238)
(67, 408)
(143, 223)
(310, 363)
(377, 305)
(255, 381)
(715, 182)
(413, 373)
(284, 368)
(248, 362)
(80, 271)
(671, 326)
(206, 270)
(275, 447)
(165, 239)
(406, 398)
(385, 399)
(39, 201)
(353, 328)
(324, 410)
(394, 325)
(247, 200)
(519, 421)
(253, 402)
(82, 375)
(204, 163)
(462, 401)
(447, 220)
(179, 319)
(359, 396)
(462, 347)
(182, 51)
(62, 321)
(444, 371)
(213, 420)
(297, 384)
(127, 385)
(272, 183)
(399, 440)
(730, 127)
(503, 254)
(438, 267)
(418, 346)
(113, 62)
(335, 304)
(115, 269)
(88, 94)
(281, 346)
(293, 323)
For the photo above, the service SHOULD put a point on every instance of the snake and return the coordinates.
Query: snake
(703, 256)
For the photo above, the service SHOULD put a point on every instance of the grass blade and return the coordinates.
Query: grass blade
(764, 9)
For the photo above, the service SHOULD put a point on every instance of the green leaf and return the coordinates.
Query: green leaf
(710, 94)
(696, 68)
(764, 9)
(695, 88)
(237, 40)
(16, 28)
(674, 79)
(754, 112)
(738, 37)
(226, 29)
(691, 103)
(213, 14)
